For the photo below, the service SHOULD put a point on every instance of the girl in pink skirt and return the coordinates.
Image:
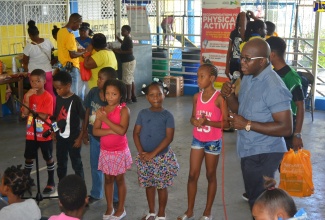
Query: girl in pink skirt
(111, 125)
(157, 164)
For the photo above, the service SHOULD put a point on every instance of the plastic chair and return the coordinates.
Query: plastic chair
(307, 81)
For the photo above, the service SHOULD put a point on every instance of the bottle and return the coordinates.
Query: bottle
(14, 65)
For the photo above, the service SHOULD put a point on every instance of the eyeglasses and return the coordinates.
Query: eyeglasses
(248, 59)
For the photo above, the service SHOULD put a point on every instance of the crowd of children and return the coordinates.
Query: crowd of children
(107, 118)
(103, 121)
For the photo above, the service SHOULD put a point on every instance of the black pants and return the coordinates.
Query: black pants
(254, 168)
(64, 147)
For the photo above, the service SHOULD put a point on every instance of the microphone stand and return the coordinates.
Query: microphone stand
(39, 197)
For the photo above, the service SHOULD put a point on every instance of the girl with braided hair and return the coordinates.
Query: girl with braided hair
(14, 183)
(209, 117)
(156, 161)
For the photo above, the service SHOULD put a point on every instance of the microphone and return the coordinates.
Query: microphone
(47, 133)
(58, 125)
(235, 76)
(55, 126)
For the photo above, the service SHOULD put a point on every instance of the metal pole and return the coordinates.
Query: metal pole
(296, 41)
(157, 21)
(315, 53)
(265, 10)
(185, 15)
(118, 23)
(68, 11)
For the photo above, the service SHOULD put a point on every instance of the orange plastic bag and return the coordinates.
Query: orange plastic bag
(296, 173)
(84, 72)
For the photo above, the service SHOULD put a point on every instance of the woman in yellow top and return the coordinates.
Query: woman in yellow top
(103, 57)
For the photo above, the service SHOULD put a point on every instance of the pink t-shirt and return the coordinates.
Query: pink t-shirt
(62, 216)
(212, 113)
(114, 142)
(167, 20)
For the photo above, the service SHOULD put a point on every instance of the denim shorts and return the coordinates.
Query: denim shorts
(210, 147)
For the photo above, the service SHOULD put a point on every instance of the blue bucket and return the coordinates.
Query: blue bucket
(191, 68)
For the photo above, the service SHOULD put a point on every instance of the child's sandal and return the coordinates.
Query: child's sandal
(149, 216)
(160, 218)
(108, 217)
(206, 217)
(185, 217)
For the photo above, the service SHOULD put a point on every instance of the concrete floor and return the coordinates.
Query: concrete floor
(12, 148)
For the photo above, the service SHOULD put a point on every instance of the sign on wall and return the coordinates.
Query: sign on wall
(218, 20)
(138, 20)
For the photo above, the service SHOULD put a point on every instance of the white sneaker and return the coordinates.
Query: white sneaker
(245, 196)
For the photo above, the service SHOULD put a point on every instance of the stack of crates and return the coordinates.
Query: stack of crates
(175, 85)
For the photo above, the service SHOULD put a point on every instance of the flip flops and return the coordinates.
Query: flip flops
(184, 217)
(206, 218)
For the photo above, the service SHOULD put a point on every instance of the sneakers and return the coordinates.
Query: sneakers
(49, 189)
(32, 182)
(245, 196)
(91, 200)
(134, 99)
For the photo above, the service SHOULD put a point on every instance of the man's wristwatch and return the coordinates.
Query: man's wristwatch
(297, 135)
(248, 126)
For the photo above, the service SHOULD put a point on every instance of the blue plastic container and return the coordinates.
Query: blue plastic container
(191, 68)
(5, 110)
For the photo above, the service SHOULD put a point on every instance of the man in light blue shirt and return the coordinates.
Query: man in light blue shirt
(262, 116)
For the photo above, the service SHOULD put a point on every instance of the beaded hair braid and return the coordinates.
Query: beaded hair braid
(18, 180)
